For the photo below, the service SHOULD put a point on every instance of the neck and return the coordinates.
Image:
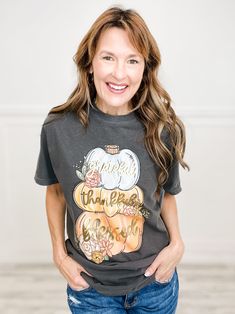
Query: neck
(115, 111)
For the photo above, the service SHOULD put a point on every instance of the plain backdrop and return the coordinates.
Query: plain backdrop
(195, 37)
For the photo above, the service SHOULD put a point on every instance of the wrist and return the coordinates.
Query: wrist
(178, 243)
(59, 255)
(62, 261)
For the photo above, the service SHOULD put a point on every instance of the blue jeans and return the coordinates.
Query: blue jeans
(156, 297)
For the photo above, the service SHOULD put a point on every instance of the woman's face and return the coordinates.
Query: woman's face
(118, 70)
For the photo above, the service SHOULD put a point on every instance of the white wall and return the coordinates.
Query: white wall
(39, 39)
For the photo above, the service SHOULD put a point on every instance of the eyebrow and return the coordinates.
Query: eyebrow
(112, 54)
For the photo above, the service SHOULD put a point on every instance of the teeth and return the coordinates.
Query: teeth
(117, 87)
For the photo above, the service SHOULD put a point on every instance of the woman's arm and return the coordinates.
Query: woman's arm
(170, 217)
(164, 264)
(56, 208)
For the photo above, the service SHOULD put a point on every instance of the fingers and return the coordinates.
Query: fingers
(79, 282)
(71, 270)
(164, 277)
(151, 269)
(82, 269)
(75, 280)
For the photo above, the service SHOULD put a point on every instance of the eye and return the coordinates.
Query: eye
(135, 61)
(106, 57)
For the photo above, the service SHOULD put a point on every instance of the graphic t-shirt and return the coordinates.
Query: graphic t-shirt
(114, 227)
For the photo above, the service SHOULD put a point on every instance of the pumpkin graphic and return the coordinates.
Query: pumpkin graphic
(112, 221)
(123, 233)
(118, 169)
(109, 201)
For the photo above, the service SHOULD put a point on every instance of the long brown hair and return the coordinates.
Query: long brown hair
(151, 103)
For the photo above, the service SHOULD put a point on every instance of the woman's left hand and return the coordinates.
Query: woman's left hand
(166, 261)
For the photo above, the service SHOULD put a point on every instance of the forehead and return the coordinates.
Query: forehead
(116, 41)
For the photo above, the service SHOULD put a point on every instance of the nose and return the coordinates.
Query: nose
(119, 70)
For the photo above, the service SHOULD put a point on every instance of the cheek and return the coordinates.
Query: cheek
(137, 77)
(100, 70)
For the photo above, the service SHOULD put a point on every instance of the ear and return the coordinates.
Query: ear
(91, 70)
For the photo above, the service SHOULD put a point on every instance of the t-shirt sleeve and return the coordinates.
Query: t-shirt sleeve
(44, 174)
(172, 185)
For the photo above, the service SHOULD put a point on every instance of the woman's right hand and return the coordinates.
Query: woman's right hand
(71, 270)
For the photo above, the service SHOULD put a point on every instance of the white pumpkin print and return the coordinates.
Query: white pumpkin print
(118, 169)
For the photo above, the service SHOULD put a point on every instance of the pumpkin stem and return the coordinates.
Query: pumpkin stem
(112, 149)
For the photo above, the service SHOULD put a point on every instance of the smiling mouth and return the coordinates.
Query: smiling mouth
(117, 88)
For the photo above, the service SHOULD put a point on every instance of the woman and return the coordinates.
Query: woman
(110, 159)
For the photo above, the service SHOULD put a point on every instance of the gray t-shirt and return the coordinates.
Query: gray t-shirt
(114, 226)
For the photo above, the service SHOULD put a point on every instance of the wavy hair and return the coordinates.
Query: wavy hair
(151, 103)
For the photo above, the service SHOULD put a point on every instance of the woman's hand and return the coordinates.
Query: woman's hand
(71, 270)
(166, 261)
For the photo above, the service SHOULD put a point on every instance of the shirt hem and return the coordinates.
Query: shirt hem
(174, 192)
(41, 181)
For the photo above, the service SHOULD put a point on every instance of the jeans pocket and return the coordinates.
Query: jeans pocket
(78, 291)
(166, 282)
